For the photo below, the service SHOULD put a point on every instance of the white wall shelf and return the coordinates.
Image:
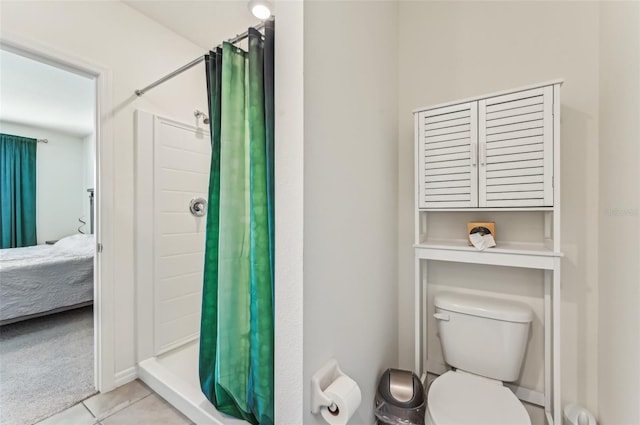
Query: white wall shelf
(485, 209)
(445, 178)
(508, 254)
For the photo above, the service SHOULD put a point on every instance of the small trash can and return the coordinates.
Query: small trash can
(400, 399)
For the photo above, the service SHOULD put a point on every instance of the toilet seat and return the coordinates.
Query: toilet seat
(463, 399)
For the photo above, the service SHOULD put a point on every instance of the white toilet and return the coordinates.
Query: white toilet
(484, 339)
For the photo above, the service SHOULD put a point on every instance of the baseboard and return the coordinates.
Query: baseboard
(126, 376)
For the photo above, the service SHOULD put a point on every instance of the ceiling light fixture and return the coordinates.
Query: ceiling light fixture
(261, 9)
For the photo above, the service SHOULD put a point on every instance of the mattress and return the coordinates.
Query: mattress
(46, 278)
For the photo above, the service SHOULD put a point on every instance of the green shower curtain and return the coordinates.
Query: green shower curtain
(236, 335)
(17, 191)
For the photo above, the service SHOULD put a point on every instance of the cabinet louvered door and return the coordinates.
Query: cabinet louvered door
(516, 149)
(447, 157)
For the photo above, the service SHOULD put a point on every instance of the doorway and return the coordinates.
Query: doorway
(49, 301)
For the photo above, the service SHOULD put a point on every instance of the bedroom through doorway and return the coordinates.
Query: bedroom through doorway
(48, 209)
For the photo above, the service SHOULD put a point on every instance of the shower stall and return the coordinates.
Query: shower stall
(172, 170)
(230, 296)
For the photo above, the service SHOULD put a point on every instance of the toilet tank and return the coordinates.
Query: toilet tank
(482, 335)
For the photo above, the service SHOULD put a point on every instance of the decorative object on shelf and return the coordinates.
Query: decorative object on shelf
(482, 228)
(481, 235)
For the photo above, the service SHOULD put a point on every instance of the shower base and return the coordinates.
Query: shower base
(174, 376)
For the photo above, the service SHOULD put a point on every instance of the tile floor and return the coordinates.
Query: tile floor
(130, 404)
(136, 404)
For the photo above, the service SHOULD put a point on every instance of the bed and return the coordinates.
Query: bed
(45, 279)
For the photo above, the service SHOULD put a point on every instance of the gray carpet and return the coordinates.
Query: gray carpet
(46, 365)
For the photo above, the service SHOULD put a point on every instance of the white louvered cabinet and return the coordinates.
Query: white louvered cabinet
(492, 156)
(515, 134)
(493, 152)
(448, 152)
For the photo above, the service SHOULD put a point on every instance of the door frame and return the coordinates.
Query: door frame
(103, 311)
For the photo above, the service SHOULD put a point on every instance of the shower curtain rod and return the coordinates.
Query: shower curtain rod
(194, 62)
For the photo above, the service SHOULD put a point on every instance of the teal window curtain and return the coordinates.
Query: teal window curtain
(237, 325)
(17, 191)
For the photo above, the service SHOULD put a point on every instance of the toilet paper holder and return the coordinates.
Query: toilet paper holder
(320, 381)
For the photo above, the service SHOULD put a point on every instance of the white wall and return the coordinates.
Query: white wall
(350, 180)
(136, 51)
(59, 181)
(453, 50)
(289, 183)
(619, 214)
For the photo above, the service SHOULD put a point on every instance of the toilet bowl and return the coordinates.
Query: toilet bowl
(459, 398)
(484, 340)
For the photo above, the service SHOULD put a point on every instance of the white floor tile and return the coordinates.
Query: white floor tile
(151, 410)
(76, 415)
(106, 404)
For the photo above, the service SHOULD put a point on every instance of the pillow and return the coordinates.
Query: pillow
(81, 245)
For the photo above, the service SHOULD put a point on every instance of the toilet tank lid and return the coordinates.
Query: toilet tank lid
(491, 308)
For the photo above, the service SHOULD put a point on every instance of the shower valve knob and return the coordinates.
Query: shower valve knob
(198, 207)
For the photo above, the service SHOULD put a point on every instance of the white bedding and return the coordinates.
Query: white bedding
(41, 278)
